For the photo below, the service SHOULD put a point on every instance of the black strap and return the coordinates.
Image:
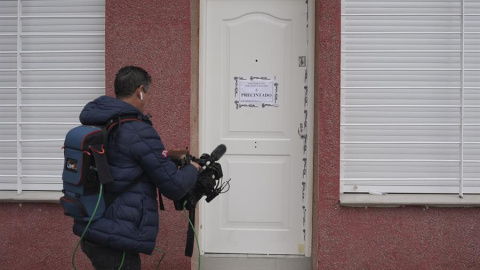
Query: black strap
(103, 167)
(160, 200)
(110, 197)
(117, 121)
(101, 164)
(190, 234)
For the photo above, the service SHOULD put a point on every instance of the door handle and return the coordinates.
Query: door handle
(302, 132)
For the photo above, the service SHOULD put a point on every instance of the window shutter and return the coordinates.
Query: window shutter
(410, 73)
(51, 63)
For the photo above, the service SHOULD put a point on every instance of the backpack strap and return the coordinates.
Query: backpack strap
(101, 163)
(160, 199)
(190, 234)
(110, 197)
(98, 151)
(117, 122)
(110, 126)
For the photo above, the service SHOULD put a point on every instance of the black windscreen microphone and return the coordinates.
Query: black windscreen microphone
(218, 152)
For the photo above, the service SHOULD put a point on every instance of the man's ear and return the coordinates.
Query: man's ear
(138, 92)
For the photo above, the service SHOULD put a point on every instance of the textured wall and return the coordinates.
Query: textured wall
(155, 35)
(37, 236)
(374, 238)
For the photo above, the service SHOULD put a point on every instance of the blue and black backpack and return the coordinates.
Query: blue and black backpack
(86, 170)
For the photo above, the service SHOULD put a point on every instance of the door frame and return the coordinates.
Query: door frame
(200, 20)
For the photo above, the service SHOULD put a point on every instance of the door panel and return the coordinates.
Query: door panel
(253, 102)
(262, 173)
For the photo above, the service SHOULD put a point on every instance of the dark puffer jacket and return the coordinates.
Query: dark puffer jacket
(135, 150)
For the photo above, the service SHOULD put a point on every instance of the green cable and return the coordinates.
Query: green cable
(194, 232)
(123, 257)
(121, 263)
(88, 225)
(161, 259)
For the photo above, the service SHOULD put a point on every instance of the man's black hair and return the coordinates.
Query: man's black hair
(129, 78)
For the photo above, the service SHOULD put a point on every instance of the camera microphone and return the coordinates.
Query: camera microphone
(218, 152)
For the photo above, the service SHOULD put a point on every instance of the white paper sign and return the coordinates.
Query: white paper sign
(260, 91)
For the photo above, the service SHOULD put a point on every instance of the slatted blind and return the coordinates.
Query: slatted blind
(410, 86)
(51, 63)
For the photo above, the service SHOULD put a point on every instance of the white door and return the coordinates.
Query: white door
(254, 99)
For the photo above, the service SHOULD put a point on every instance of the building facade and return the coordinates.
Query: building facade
(388, 98)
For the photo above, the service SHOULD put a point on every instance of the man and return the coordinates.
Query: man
(135, 154)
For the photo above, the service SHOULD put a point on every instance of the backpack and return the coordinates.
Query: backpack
(86, 170)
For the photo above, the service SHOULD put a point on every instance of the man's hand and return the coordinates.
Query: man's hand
(196, 165)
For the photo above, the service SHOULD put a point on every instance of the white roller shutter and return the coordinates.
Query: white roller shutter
(410, 82)
(52, 62)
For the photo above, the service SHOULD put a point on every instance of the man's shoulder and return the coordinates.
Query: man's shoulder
(137, 129)
(131, 120)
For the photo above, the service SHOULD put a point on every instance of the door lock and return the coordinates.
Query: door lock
(302, 132)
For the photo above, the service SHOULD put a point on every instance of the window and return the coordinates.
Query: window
(51, 63)
(410, 115)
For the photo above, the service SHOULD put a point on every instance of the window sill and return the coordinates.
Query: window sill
(348, 200)
(397, 200)
(31, 196)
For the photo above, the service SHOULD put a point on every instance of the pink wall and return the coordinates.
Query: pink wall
(36, 236)
(155, 35)
(374, 238)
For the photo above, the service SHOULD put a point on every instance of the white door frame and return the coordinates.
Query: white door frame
(310, 120)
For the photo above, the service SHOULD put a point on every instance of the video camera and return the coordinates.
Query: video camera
(210, 180)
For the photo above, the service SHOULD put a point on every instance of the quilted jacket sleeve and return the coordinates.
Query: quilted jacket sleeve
(174, 183)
